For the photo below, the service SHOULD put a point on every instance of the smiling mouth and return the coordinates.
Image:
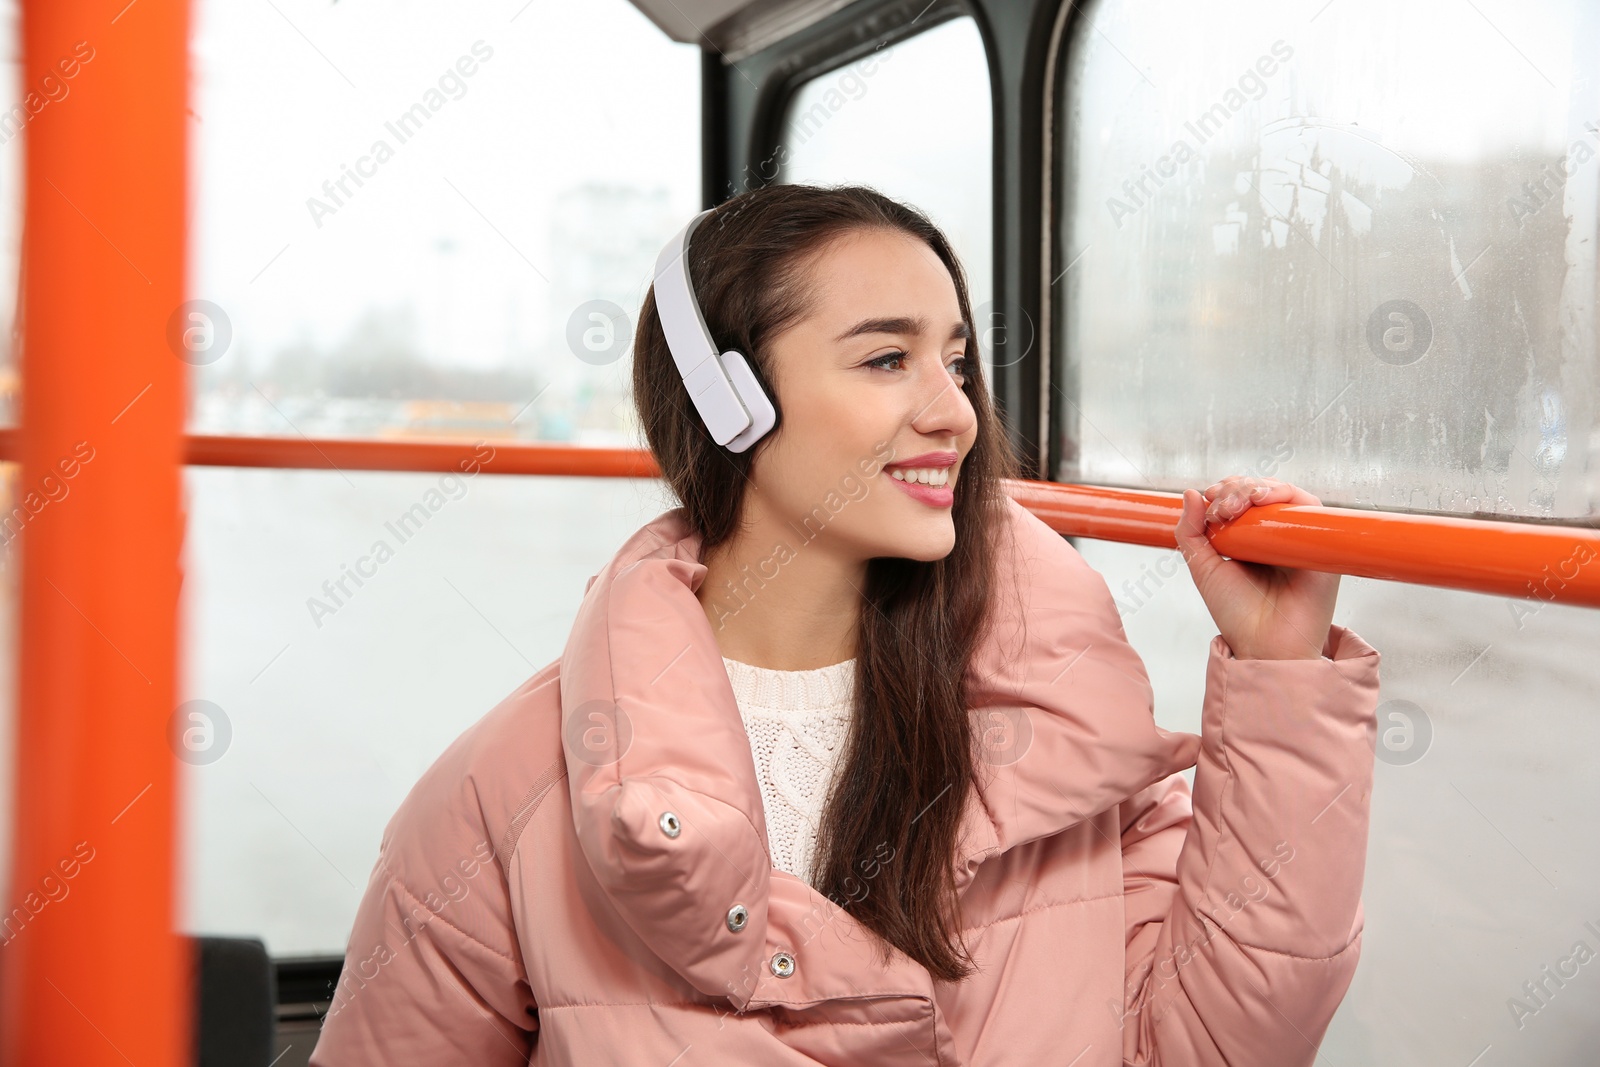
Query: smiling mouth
(927, 468)
(937, 477)
(928, 478)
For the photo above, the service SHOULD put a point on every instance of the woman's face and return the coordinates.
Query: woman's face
(875, 424)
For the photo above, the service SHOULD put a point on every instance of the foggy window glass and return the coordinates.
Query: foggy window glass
(913, 120)
(337, 694)
(1351, 245)
(412, 220)
(422, 220)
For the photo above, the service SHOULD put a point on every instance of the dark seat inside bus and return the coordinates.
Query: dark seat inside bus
(236, 999)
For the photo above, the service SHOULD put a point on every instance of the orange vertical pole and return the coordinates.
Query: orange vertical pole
(92, 970)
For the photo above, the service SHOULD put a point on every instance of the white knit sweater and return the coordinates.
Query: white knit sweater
(798, 722)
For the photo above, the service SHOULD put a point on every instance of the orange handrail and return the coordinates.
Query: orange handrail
(93, 971)
(1543, 562)
(338, 453)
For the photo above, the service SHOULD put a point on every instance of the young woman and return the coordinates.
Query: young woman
(848, 760)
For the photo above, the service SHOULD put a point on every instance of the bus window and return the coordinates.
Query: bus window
(1296, 243)
(432, 221)
(1296, 246)
(914, 121)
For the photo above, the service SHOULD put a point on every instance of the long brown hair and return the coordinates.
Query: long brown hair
(886, 847)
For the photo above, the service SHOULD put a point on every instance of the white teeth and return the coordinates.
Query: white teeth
(934, 476)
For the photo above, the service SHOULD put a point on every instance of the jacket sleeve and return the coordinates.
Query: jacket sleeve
(431, 975)
(1243, 900)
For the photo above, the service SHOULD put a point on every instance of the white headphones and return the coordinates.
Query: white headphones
(724, 389)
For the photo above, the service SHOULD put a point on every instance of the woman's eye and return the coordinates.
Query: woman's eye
(961, 365)
(887, 357)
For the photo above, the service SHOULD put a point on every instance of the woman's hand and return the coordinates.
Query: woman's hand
(1262, 612)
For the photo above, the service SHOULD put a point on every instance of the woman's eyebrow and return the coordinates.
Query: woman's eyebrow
(903, 324)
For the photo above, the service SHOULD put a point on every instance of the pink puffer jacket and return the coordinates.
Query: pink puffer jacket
(611, 900)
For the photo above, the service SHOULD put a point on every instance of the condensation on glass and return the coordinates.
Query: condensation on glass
(914, 121)
(432, 223)
(342, 631)
(1349, 245)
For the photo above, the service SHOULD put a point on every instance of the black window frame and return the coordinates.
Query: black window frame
(743, 106)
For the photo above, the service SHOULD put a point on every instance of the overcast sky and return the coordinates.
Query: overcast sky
(288, 93)
(291, 92)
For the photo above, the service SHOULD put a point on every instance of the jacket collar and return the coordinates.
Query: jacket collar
(668, 811)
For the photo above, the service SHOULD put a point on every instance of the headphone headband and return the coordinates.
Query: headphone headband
(731, 403)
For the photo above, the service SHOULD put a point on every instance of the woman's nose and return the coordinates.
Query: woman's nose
(945, 409)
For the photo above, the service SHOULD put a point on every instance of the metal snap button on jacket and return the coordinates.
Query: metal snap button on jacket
(670, 824)
(783, 965)
(738, 916)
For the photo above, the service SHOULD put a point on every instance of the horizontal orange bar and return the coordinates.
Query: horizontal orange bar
(1560, 563)
(354, 453)
(1514, 559)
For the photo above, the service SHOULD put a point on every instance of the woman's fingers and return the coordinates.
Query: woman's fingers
(1191, 536)
(1230, 500)
(1232, 496)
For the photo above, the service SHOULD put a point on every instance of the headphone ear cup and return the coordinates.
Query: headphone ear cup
(763, 416)
(716, 400)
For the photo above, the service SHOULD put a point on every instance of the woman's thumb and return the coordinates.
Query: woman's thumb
(1191, 535)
